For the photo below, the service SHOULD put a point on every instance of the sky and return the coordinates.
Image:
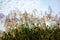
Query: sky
(7, 5)
(29, 5)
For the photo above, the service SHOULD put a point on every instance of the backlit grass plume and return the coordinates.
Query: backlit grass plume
(29, 27)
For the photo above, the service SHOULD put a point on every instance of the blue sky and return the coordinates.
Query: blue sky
(7, 5)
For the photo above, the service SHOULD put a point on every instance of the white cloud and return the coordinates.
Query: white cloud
(28, 5)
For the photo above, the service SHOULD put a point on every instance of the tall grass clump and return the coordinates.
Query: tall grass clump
(29, 27)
